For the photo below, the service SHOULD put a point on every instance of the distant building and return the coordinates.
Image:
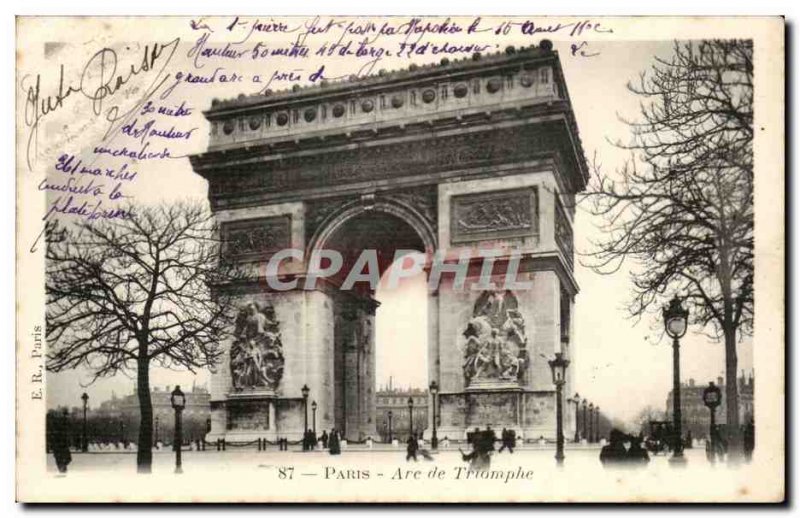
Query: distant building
(696, 417)
(390, 399)
(118, 419)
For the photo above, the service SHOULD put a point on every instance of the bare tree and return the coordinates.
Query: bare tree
(124, 294)
(682, 206)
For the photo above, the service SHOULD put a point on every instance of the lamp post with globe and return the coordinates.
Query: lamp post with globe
(314, 418)
(675, 323)
(178, 400)
(434, 388)
(85, 442)
(558, 366)
(410, 416)
(712, 396)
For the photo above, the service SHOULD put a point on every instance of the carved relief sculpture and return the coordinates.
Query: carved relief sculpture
(257, 238)
(496, 345)
(564, 234)
(256, 353)
(494, 215)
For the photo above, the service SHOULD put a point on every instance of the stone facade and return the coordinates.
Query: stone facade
(390, 399)
(696, 416)
(468, 155)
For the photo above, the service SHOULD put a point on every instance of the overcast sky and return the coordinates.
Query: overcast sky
(618, 365)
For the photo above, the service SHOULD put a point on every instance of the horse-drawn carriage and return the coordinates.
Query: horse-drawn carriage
(660, 438)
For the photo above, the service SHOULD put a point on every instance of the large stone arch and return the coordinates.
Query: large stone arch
(469, 155)
(387, 204)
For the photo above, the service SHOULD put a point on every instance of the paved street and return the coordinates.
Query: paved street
(368, 475)
(540, 458)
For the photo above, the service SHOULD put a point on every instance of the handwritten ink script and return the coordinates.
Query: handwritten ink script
(103, 130)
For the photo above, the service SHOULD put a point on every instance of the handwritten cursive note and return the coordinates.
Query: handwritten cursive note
(102, 130)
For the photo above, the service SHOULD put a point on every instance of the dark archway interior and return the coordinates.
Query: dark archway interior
(372, 230)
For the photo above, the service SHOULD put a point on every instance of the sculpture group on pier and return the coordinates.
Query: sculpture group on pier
(256, 353)
(495, 346)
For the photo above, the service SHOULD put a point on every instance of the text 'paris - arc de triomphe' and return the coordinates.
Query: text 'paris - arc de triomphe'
(478, 153)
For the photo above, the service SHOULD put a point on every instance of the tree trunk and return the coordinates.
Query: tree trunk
(732, 396)
(144, 453)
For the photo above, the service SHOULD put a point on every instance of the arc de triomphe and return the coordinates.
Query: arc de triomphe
(464, 155)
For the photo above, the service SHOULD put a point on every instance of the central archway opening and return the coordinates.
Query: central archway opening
(380, 329)
(401, 337)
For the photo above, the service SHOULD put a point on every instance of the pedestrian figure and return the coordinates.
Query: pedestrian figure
(473, 438)
(333, 441)
(425, 454)
(507, 438)
(614, 452)
(60, 442)
(718, 446)
(503, 440)
(490, 437)
(324, 439)
(479, 458)
(749, 439)
(412, 448)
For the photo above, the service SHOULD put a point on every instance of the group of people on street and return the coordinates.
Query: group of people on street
(717, 445)
(615, 452)
(332, 442)
(482, 443)
(309, 440)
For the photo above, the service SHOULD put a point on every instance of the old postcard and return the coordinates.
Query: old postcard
(400, 259)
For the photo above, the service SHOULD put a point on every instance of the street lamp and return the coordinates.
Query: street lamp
(577, 400)
(558, 366)
(305, 390)
(410, 403)
(675, 323)
(597, 434)
(390, 426)
(314, 418)
(156, 429)
(585, 402)
(435, 393)
(712, 398)
(85, 445)
(591, 422)
(178, 400)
